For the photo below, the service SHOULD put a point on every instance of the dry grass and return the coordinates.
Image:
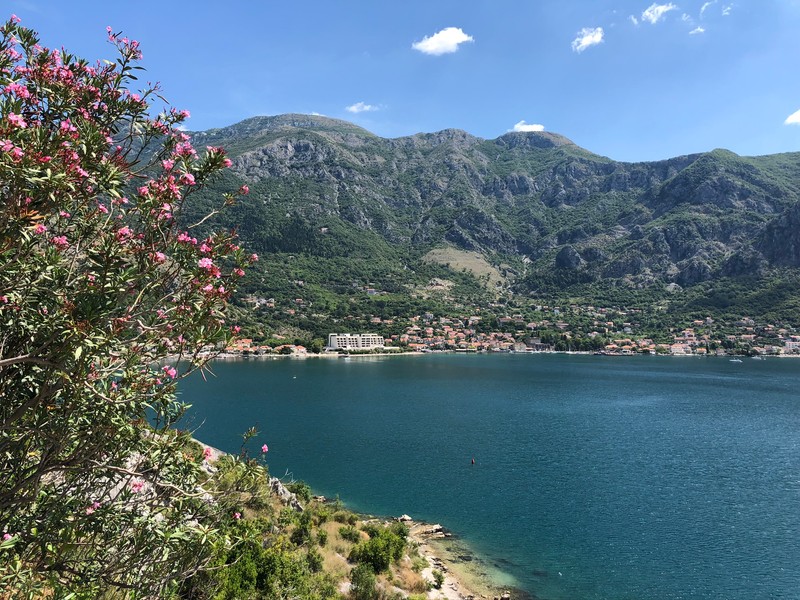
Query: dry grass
(472, 262)
(409, 580)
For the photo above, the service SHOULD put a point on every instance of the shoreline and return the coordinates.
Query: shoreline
(467, 575)
(330, 355)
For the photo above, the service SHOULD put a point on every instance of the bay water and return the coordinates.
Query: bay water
(594, 477)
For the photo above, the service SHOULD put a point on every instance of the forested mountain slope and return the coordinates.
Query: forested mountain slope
(526, 213)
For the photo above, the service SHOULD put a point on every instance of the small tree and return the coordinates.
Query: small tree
(101, 294)
(362, 583)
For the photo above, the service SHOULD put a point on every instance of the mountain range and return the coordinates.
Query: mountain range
(526, 214)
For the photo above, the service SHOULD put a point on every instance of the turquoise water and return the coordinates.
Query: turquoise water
(595, 477)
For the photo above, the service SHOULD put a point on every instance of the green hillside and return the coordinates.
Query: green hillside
(352, 217)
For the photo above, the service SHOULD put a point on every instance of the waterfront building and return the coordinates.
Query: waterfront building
(354, 341)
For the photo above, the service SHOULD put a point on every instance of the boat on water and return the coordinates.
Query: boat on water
(736, 360)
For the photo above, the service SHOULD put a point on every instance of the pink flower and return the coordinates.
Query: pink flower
(206, 453)
(184, 149)
(102, 208)
(244, 190)
(237, 515)
(235, 328)
(264, 449)
(170, 372)
(137, 486)
(187, 179)
(17, 120)
(168, 164)
(39, 229)
(159, 257)
(143, 190)
(15, 19)
(254, 257)
(205, 248)
(64, 214)
(205, 263)
(186, 238)
(60, 242)
(123, 233)
(185, 114)
(7, 536)
(227, 163)
(237, 271)
(90, 509)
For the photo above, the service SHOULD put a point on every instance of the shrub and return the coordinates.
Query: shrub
(340, 516)
(380, 551)
(438, 579)
(301, 489)
(362, 583)
(314, 559)
(349, 533)
(302, 532)
(322, 537)
(99, 285)
(343, 516)
(323, 515)
(371, 529)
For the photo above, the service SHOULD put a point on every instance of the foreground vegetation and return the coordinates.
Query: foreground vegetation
(104, 295)
(320, 550)
(99, 286)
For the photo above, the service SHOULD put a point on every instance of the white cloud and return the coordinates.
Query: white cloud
(727, 10)
(445, 41)
(706, 6)
(316, 114)
(793, 119)
(523, 126)
(686, 18)
(656, 12)
(634, 20)
(360, 107)
(587, 37)
(697, 30)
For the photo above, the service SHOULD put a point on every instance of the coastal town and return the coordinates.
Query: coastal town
(611, 332)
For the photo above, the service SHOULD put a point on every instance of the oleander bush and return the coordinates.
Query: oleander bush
(105, 302)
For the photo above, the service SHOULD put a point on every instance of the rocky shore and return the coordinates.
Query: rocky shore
(466, 576)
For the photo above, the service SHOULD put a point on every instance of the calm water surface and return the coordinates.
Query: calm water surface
(595, 477)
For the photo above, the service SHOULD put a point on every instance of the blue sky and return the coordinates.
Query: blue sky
(633, 80)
